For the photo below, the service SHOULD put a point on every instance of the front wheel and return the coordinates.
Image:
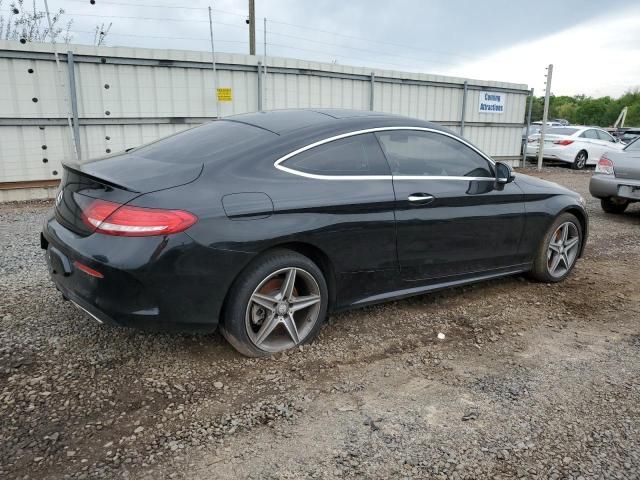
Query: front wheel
(558, 250)
(614, 205)
(278, 303)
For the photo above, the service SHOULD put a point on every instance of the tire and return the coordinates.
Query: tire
(543, 262)
(614, 205)
(272, 326)
(580, 161)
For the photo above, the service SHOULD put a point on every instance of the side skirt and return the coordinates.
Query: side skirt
(410, 292)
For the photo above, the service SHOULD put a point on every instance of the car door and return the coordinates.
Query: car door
(342, 198)
(451, 217)
(592, 144)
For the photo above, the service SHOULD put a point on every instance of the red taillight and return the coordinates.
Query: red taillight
(604, 166)
(563, 142)
(125, 220)
(87, 270)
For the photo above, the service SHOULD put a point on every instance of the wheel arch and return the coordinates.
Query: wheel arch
(315, 254)
(584, 224)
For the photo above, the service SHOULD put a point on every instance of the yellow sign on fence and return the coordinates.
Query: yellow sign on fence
(225, 95)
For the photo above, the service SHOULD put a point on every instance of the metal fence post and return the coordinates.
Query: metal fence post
(372, 92)
(464, 107)
(74, 102)
(260, 86)
(526, 137)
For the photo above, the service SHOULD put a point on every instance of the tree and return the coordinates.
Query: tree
(31, 25)
(583, 110)
(100, 34)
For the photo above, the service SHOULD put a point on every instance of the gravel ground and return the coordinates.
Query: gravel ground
(531, 381)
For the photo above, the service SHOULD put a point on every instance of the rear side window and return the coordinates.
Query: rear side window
(419, 153)
(357, 155)
(591, 133)
(203, 143)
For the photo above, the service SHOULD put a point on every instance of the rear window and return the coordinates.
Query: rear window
(562, 131)
(203, 143)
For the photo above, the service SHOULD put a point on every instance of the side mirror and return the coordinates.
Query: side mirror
(504, 173)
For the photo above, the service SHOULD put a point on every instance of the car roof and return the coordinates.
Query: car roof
(283, 122)
(580, 127)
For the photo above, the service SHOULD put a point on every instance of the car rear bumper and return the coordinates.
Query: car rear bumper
(162, 282)
(605, 186)
(552, 153)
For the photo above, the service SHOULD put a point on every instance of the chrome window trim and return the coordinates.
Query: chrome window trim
(293, 171)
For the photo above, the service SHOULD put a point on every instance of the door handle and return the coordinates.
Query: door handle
(420, 198)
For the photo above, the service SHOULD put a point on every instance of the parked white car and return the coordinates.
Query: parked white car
(578, 146)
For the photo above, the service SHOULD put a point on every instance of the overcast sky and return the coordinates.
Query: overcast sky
(594, 45)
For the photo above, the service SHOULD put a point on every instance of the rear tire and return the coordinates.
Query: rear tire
(580, 161)
(263, 316)
(614, 205)
(558, 251)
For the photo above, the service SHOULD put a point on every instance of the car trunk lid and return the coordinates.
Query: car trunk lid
(118, 179)
(626, 165)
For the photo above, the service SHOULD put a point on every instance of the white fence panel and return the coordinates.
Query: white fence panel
(126, 97)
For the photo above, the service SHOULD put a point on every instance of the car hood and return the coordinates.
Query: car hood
(528, 182)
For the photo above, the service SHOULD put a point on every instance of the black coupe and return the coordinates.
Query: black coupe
(263, 223)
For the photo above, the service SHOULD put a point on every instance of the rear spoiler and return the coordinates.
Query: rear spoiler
(77, 169)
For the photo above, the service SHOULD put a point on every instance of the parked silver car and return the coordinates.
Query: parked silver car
(616, 181)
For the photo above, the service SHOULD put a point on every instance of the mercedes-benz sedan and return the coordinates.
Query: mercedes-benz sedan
(263, 223)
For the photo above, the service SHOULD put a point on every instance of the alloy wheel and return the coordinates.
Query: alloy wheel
(581, 160)
(283, 309)
(563, 249)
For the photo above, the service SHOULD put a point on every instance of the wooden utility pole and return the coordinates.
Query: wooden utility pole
(545, 116)
(252, 27)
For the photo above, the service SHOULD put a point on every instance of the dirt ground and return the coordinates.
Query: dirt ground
(531, 381)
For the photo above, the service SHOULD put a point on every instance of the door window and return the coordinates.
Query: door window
(591, 133)
(357, 155)
(431, 154)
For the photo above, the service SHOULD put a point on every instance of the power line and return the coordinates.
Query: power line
(129, 4)
(375, 52)
(323, 52)
(164, 19)
(289, 47)
(370, 40)
(163, 37)
(294, 25)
